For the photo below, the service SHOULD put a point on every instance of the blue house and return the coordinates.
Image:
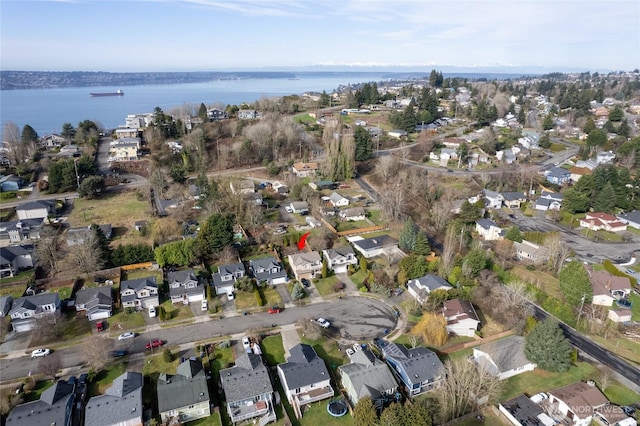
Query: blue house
(10, 183)
(558, 175)
(418, 369)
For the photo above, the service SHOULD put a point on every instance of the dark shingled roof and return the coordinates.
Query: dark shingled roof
(249, 378)
(187, 387)
(304, 367)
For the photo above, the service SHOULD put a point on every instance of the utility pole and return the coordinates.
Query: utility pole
(580, 312)
(75, 165)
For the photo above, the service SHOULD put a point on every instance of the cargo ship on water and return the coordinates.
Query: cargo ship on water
(116, 93)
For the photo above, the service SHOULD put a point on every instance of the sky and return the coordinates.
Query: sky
(233, 35)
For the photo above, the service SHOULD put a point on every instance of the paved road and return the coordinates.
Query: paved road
(603, 356)
(357, 318)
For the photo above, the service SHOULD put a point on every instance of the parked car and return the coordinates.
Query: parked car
(230, 295)
(39, 353)
(84, 378)
(127, 335)
(288, 209)
(398, 291)
(100, 326)
(274, 310)
(246, 344)
(152, 311)
(205, 305)
(155, 343)
(118, 353)
(305, 282)
(323, 323)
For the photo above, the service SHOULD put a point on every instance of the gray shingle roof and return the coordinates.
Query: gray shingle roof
(524, 410)
(8, 254)
(507, 354)
(138, 284)
(100, 295)
(368, 374)
(304, 367)
(121, 402)
(36, 301)
(420, 364)
(376, 242)
(181, 276)
(49, 409)
(35, 205)
(187, 387)
(486, 223)
(431, 282)
(249, 378)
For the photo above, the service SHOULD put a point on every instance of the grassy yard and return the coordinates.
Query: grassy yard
(273, 350)
(358, 277)
(123, 321)
(153, 366)
(623, 347)
(106, 377)
(22, 276)
(64, 292)
(71, 328)
(329, 351)
(34, 394)
(546, 282)
(213, 420)
(635, 306)
(141, 273)
(325, 285)
(176, 313)
(316, 414)
(621, 395)
(271, 297)
(349, 225)
(601, 235)
(533, 382)
(375, 216)
(119, 209)
(16, 290)
(245, 300)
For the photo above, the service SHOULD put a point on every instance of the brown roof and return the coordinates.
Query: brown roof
(306, 166)
(604, 283)
(460, 309)
(580, 170)
(581, 397)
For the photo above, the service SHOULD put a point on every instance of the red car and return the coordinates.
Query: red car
(155, 343)
(274, 310)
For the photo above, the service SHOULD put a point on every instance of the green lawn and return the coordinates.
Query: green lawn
(64, 292)
(325, 285)
(245, 300)
(122, 322)
(358, 277)
(141, 273)
(106, 377)
(635, 306)
(329, 351)
(118, 209)
(349, 225)
(153, 366)
(316, 414)
(533, 382)
(40, 387)
(177, 313)
(273, 350)
(621, 395)
(621, 346)
(271, 297)
(15, 290)
(22, 276)
(375, 216)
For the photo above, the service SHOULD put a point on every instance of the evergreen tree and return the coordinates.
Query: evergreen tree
(522, 119)
(605, 200)
(364, 413)
(545, 141)
(597, 137)
(514, 234)
(421, 245)
(215, 234)
(589, 126)
(68, 131)
(407, 239)
(575, 284)
(547, 346)
(624, 129)
(364, 144)
(548, 123)
(297, 292)
(202, 112)
(29, 135)
(616, 114)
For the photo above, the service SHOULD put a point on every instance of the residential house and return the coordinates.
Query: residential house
(216, 114)
(338, 200)
(10, 183)
(462, 319)
(367, 376)
(489, 230)
(513, 200)
(306, 265)
(244, 186)
(54, 407)
(128, 133)
(503, 358)
(420, 288)
(397, 133)
(255, 198)
(120, 405)
(248, 390)
(79, 235)
(279, 188)
(492, 200)
(418, 369)
(602, 221)
(313, 222)
(125, 151)
(353, 214)
(248, 114)
(299, 207)
(339, 258)
(528, 252)
(18, 231)
(52, 141)
(613, 415)
(620, 315)
(577, 402)
(5, 305)
(605, 157)
(225, 279)
(323, 184)
(522, 411)
(376, 246)
(268, 270)
(558, 175)
(26, 310)
(96, 302)
(140, 293)
(578, 172)
(185, 287)
(303, 170)
(304, 377)
(69, 151)
(126, 141)
(529, 140)
(631, 218)
(184, 397)
(139, 121)
(607, 288)
(447, 154)
(36, 209)
(13, 260)
(549, 201)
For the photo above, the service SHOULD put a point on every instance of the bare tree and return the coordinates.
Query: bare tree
(392, 201)
(86, 256)
(387, 167)
(449, 251)
(47, 248)
(96, 352)
(51, 364)
(605, 377)
(12, 142)
(465, 388)
(558, 252)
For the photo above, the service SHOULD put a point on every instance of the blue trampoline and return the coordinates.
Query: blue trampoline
(337, 408)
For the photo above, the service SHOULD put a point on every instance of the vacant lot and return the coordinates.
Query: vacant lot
(544, 281)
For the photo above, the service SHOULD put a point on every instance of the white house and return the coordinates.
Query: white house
(620, 315)
(304, 377)
(26, 310)
(376, 246)
(602, 221)
(303, 170)
(578, 402)
(492, 199)
(338, 200)
(608, 288)
(35, 209)
(139, 293)
(225, 279)
(339, 258)
(185, 287)
(95, 302)
(529, 252)
(503, 358)
(605, 157)
(420, 288)
(353, 214)
(488, 230)
(397, 134)
(462, 319)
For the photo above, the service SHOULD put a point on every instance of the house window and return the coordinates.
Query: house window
(191, 407)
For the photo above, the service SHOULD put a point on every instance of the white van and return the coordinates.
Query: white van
(230, 295)
(205, 305)
(152, 311)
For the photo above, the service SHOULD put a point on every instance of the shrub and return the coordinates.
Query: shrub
(167, 356)
(129, 311)
(363, 289)
(339, 286)
(225, 344)
(259, 299)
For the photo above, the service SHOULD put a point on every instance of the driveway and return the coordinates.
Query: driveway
(15, 341)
